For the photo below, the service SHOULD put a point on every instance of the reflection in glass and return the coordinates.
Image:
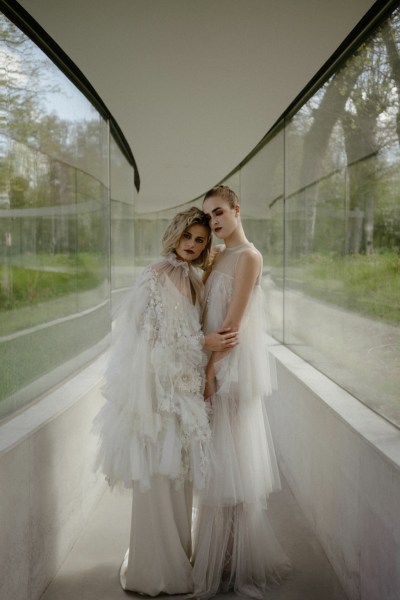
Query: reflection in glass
(54, 223)
(342, 225)
(122, 220)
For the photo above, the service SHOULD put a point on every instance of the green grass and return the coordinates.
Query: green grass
(84, 261)
(369, 285)
(26, 286)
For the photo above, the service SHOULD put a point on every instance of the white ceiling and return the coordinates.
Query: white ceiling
(195, 84)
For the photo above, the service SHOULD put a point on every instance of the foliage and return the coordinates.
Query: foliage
(350, 125)
(369, 285)
(60, 276)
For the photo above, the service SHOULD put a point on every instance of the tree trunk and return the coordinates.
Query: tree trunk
(316, 141)
(389, 38)
(361, 150)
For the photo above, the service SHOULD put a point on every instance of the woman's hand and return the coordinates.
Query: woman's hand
(221, 339)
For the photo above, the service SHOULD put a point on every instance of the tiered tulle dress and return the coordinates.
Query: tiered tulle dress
(154, 429)
(234, 544)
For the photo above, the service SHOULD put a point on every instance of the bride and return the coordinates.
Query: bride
(154, 428)
(234, 544)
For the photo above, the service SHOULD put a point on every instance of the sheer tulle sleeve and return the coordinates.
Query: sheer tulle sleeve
(154, 419)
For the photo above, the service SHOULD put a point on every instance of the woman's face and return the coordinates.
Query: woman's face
(192, 243)
(222, 218)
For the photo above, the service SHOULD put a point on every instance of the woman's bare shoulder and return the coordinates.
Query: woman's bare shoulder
(250, 258)
(251, 253)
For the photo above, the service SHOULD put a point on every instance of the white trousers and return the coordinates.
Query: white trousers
(158, 558)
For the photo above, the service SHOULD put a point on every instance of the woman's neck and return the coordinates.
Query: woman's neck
(236, 238)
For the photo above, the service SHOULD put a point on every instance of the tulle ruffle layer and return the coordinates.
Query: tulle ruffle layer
(245, 467)
(236, 549)
(154, 420)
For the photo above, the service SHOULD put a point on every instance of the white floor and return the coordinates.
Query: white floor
(90, 572)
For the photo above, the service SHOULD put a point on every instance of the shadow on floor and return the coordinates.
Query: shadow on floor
(91, 571)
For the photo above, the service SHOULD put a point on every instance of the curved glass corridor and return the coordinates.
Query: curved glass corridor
(319, 198)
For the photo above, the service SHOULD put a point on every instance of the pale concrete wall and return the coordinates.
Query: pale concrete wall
(342, 462)
(48, 488)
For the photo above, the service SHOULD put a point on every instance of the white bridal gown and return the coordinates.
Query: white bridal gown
(153, 429)
(234, 544)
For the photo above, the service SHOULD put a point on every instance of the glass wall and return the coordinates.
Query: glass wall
(261, 193)
(321, 201)
(54, 222)
(342, 225)
(123, 194)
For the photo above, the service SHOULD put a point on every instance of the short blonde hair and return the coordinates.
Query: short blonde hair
(179, 224)
(224, 192)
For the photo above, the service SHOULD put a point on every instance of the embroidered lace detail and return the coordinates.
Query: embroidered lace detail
(155, 420)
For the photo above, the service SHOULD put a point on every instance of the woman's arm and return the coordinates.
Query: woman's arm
(247, 272)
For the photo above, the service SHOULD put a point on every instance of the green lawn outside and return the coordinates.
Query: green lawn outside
(369, 285)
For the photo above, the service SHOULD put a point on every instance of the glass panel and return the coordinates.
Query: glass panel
(149, 229)
(342, 225)
(123, 196)
(262, 216)
(54, 223)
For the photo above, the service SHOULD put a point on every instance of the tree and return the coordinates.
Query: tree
(391, 36)
(369, 99)
(323, 116)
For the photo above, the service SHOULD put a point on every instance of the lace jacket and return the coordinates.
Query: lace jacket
(154, 420)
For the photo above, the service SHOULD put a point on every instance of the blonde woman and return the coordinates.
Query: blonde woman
(234, 545)
(154, 427)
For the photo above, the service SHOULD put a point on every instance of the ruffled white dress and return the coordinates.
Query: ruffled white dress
(234, 544)
(154, 429)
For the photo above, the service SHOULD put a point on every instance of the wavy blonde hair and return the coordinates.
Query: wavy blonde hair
(175, 230)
